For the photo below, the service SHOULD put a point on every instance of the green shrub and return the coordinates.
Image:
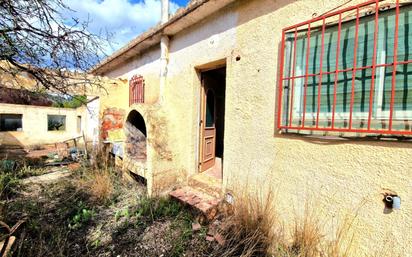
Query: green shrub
(70, 102)
(82, 217)
(184, 225)
(122, 213)
(158, 208)
(9, 183)
(7, 166)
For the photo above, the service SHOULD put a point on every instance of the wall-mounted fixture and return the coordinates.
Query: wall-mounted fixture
(229, 198)
(392, 201)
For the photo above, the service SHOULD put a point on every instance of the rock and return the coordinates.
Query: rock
(219, 239)
(74, 166)
(196, 226)
(210, 238)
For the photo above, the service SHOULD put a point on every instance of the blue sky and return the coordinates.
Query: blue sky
(182, 2)
(123, 19)
(179, 2)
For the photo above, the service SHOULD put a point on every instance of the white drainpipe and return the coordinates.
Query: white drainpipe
(165, 11)
(164, 50)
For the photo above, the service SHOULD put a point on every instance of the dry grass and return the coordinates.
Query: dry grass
(98, 178)
(98, 184)
(101, 186)
(306, 237)
(252, 228)
(342, 244)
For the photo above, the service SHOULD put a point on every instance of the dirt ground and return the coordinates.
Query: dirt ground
(65, 220)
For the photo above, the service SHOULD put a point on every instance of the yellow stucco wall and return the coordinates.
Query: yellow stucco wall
(146, 65)
(161, 169)
(337, 177)
(35, 125)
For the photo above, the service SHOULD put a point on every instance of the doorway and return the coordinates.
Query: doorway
(136, 137)
(212, 122)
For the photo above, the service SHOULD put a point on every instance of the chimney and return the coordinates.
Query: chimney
(165, 11)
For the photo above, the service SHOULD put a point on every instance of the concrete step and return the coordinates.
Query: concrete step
(207, 184)
(200, 201)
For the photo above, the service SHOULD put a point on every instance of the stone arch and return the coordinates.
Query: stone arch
(136, 136)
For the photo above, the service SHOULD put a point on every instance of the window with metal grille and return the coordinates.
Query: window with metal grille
(349, 71)
(136, 90)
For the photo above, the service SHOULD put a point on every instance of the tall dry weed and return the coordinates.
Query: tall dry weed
(343, 242)
(307, 236)
(255, 229)
(252, 228)
(98, 183)
(101, 186)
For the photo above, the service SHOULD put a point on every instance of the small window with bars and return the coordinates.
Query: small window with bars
(136, 90)
(349, 71)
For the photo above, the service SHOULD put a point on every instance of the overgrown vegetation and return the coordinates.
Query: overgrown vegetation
(13, 171)
(9, 179)
(249, 228)
(253, 228)
(97, 213)
(9, 183)
(99, 184)
(70, 102)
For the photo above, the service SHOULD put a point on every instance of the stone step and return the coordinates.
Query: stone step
(206, 184)
(200, 201)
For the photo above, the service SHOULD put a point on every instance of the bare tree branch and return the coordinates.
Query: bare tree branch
(56, 51)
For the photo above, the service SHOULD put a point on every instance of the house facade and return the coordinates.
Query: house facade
(31, 116)
(307, 98)
(28, 125)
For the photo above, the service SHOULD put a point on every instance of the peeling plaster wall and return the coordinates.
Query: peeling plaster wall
(337, 178)
(35, 125)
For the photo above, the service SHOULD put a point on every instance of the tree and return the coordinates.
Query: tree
(55, 51)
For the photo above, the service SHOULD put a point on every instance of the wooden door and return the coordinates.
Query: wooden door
(207, 128)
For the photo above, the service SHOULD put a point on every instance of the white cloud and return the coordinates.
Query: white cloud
(124, 19)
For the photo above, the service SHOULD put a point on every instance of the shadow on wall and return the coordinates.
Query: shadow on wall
(254, 9)
(11, 147)
(218, 24)
(159, 134)
(336, 140)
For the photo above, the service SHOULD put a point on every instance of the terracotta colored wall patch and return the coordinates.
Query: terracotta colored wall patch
(112, 122)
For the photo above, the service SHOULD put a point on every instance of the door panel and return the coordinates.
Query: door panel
(209, 145)
(208, 128)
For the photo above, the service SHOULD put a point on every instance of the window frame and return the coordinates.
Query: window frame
(136, 90)
(65, 123)
(11, 114)
(79, 124)
(378, 71)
